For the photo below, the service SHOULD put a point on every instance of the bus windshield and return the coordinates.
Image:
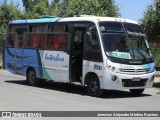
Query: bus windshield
(124, 40)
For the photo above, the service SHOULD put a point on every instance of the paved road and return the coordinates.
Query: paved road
(16, 94)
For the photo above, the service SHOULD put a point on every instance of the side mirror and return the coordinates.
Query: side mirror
(89, 36)
(88, 41)
(88, 33)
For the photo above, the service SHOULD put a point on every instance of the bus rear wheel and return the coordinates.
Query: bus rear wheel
(93, 87)
(31, 78)
(136, 92)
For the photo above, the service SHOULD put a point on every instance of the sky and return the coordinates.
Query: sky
(130, 9)
(133, 9)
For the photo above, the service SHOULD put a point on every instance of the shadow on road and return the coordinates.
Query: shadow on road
(77, 89)
(156, 85)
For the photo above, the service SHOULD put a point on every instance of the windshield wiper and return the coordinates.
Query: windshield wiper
(141, 54)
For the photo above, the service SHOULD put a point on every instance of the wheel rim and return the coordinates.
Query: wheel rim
(94, 85)
(32, 77)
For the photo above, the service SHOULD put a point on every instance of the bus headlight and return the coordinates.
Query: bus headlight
(110, 66)
(113, 78)
(113, 68)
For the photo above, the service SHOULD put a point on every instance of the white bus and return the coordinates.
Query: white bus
(98, 52)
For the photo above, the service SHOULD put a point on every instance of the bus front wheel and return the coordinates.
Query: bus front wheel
(93, 87)
(31, 78)
(136, 91)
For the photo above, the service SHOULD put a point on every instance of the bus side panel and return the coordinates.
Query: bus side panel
(10, 60)
(32, 59)
(45, 69)
(95, 68)
(55, 65)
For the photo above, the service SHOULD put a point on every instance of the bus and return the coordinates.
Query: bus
(100, 53)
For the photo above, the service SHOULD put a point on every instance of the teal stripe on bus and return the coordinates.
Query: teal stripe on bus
(43, 20)
(18, 22)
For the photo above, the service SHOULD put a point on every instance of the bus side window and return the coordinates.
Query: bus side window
(94, 40)
(11, 39)
(43, 37)
(49, 41)
(60, 38)
(20, 36)
(92, 45)
(60, 41)
(12, 36)
(50, 37)
(37, 38)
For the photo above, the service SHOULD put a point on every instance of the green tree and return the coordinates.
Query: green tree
(65, 8)
(27, 4)
(151, 22)
(35, 8)
(8, 12)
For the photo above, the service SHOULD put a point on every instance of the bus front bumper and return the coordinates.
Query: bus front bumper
(120, 81)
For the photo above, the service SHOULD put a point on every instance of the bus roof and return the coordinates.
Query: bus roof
(18, 22)
(94, 19)
(40, 20)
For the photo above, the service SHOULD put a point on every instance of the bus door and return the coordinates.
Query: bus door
(20, 42)
(76, 52)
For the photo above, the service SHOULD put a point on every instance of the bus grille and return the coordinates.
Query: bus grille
(131, 83)
(135, 71)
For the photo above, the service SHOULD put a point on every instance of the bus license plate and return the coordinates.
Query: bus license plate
(136, 79)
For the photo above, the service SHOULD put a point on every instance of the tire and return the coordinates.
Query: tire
(93, 87)
(31, 78)
(136, 92)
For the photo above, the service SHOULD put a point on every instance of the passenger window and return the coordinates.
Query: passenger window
(37, 35)
(11, 39)
(57, 37)
(12, 36)
(20, 36)
(60, 41)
